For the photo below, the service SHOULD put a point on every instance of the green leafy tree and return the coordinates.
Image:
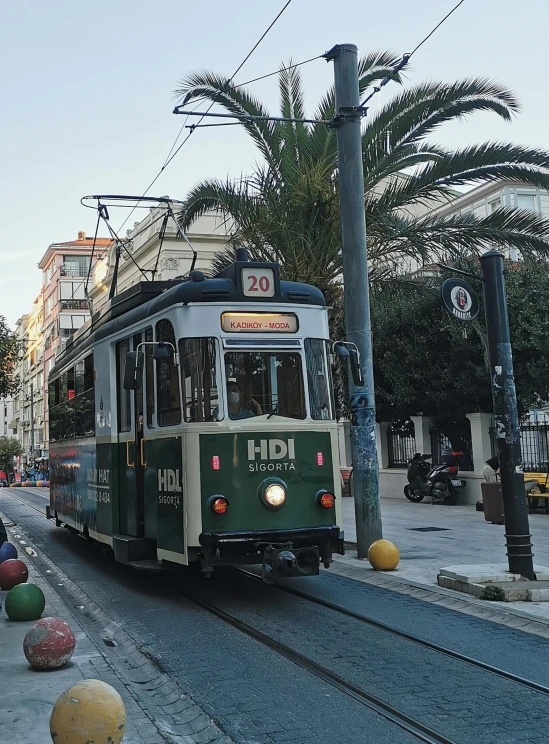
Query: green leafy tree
(10, 349)
(287, 208)
(9, 448)
(424, 363)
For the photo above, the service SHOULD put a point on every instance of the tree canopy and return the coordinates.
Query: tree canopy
(10, 349)
(287, 208)
(424, 364)
(9, 448)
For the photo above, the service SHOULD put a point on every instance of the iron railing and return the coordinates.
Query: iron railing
(440, 442)
(401, 443)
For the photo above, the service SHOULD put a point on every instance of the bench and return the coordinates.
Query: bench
(534, 499)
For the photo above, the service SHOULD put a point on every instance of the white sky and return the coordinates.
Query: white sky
(88, 94)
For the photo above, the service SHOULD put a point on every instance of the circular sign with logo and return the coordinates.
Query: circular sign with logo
(460, 299)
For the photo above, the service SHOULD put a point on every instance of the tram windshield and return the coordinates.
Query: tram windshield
(264, 382)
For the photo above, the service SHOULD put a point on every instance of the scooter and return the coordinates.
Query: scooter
(439, 482)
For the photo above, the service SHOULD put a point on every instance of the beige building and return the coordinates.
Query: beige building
(145, 256)
(27, 424)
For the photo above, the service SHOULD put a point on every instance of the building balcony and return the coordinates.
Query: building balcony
(73, 272)
(74, 305)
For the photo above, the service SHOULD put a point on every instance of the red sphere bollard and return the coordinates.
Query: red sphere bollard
(12, 573)
(49, 644)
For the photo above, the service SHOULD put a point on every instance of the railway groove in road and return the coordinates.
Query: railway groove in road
(543, 689)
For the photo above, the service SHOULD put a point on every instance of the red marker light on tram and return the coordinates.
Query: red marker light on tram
(219, 505)
(215, 462)
(319, 458)
(325, 499)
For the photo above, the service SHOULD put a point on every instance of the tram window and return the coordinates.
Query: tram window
(199, 379)
(70, 383)
(88, 372)
(319, 379)
(149, 378)
(79, 377)
(168, 403)
(266, 382)
(124, 398)
(63, 385)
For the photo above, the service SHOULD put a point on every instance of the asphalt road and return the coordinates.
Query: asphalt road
(256, 696)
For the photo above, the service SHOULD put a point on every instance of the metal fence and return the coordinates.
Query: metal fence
(440, 442)
(534, 444)
(401, 443)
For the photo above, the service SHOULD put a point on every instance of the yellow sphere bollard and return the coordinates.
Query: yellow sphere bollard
(383, 555)
(89, 711)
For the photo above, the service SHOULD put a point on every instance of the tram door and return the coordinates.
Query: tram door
(130, 447)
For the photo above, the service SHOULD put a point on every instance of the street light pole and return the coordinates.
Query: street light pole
(357, 302)
(517, 530)
(32, 424)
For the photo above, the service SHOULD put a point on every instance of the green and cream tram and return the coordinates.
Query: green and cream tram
(193, 422)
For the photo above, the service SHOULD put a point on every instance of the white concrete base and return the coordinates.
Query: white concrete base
(475, 579)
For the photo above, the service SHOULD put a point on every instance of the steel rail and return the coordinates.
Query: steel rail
(410, 725)
(543, 689)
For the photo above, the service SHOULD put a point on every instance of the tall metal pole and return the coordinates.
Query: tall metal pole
(357, 301)
(32, 424)
(517, 530)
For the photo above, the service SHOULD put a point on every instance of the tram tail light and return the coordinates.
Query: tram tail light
(219, 504)
(215, 462)
(325, 499)
(319, 458)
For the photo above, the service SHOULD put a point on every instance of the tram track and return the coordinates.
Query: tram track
(410, 725)
(543, 689)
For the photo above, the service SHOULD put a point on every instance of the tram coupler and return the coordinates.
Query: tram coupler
(287, 561)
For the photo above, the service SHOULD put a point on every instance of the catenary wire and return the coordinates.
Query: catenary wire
(241, 65)
(406, 57)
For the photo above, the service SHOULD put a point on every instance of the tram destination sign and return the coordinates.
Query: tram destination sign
(460, 299)
(259, 322)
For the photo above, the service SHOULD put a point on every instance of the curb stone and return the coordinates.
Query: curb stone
(492, 611)
(164, 712)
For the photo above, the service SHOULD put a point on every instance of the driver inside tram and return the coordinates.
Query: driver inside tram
(237, 410)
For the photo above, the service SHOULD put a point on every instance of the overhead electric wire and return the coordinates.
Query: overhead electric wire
(241, 65)
(406, 57)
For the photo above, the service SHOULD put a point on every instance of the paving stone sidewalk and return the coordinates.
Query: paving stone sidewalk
(158, 711)
(430, 537)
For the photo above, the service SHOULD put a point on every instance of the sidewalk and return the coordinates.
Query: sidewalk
(430, 537)
(157, 710)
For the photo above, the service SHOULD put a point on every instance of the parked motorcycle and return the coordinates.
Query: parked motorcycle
(440, 482)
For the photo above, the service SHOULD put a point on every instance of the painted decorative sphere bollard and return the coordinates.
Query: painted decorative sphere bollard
(383, 555)
(13, 572)
(49, 644)
(91, 711)
(7, 551)
(25, 602)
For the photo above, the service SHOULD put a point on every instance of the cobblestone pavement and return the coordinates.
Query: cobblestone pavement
(253, 695)
(158, 711)
(462, 537)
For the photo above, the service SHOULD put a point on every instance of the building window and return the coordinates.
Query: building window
(494, 205)
(75, 266)
(526, 202)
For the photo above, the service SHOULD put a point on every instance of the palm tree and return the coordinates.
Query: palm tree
(287, 209)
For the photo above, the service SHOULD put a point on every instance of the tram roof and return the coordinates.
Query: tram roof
(148, 298)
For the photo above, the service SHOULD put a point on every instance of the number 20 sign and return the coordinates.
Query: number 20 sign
(258, 282)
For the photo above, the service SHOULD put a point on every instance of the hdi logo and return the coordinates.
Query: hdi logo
(169, 480)
(271, 449)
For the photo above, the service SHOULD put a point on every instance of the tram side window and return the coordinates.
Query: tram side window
(124, 396)
(199, 379)
(168, 403)
(319, 379)
(149, 378)
(72, 404)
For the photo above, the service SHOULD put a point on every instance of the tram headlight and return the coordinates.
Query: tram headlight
(273, 493)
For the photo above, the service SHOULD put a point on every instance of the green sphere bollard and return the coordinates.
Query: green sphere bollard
(25, 602)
